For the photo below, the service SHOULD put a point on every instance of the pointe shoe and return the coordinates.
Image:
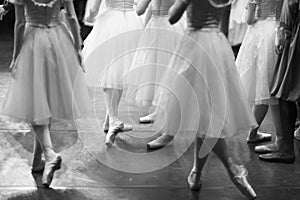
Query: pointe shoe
(241, 182)
(50, 168)
(146, 120)
(114, 129)
(38, 165)
(278, 157)
(260, 137)
(160, 142)
(194, 180)
(268, 148)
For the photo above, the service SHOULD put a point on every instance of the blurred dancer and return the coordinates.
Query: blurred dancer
(158, 41)
(237, 24)
(286, 83)
(118, 19)
(5, 8)
(207, 87)
(256, 60)
(44, 75)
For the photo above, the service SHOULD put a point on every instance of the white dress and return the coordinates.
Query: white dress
(49, 83)
(204, 94)
(109, 48)
(257, 57)
(237, 22)
(157, 44)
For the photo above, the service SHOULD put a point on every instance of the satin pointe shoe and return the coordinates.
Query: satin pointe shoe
(268, 148)
(114, 129)
(260, 137)
(194, 180)
(241, 182)
(146, 120)
(160, 142)
(38, 165)
(50, 168)
(125, 128)
(278, 157)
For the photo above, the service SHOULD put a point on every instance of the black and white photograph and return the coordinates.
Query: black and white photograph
(149, 99)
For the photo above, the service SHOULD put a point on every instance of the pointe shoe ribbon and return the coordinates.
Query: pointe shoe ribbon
(50, 168)
(241, 182)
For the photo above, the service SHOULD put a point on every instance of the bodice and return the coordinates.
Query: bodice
(201, 14)
(268, 8)
(122, 5)
(42, 16)
(161, 7)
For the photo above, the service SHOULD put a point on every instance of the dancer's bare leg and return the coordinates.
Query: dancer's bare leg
(53, 160)
(260, 112)
(237, 172)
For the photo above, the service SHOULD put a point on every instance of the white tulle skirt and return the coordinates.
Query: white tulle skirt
(157, 44)
(256, 61)
(203, 93)
(109, 48)
(49, 83)
(237, 22)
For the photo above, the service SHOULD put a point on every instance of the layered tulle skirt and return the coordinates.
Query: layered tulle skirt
(203, 93)
(237, 22)
(48, 82)
(157, 44)
(109, 48)
(256, 61)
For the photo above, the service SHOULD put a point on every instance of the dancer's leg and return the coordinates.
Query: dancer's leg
(260, 112)
(288, 113)
(43, 137)
(53, 160)
(276, 117)
(286, 117)
(194, 178)
(111, 97)
(237, 172)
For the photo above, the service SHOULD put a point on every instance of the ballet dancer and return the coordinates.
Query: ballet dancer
(118, 18)
(47, 83)
(208, 87)
(256, 60)
(286, 84)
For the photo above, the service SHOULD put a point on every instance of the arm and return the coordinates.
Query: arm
(93, 12)
(74, 25)
(177, 10)
(224, 25)
(148, 15)
(287, 20)
(142, 6)
(8, 6)
(251, 12)
(18, 31)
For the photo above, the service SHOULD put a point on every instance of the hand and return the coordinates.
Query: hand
(81, 60)
(2, 12)
(90, 17)
(12, 68)
(280, 39)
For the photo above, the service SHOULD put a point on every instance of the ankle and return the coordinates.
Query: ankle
(49, 153)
